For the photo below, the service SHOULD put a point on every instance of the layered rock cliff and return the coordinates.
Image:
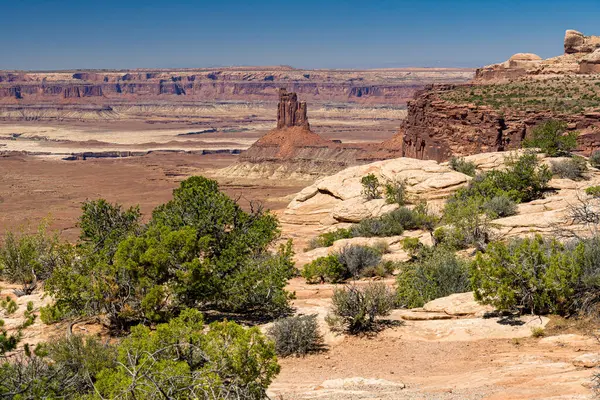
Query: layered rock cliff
(437, 128)
(386, 86)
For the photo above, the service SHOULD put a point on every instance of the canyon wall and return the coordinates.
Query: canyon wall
(437, 129)
(28, 90)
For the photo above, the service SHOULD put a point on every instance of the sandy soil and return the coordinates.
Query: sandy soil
(33, 188)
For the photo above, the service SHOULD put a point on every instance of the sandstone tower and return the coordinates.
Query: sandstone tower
(291, 112)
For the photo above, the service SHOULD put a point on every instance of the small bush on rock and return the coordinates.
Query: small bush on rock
(435, 273)
(595, 159)
(396, 222)
(500, 207)
(357, 258)
(593, 191)
(355, 310)
(325, 269)
(297, 335)
(527, 275)
(552, 138)
(395, 192)
(328, 238)
(370, 185)
(463, 166)
(571, 168)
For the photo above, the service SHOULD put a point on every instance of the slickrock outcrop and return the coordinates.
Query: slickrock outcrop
(338, 198)
(575, 60)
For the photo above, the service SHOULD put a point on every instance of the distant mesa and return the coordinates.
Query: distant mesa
(581, 56)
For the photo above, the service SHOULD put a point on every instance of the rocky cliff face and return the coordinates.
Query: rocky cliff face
(438, 129)
(581, 56)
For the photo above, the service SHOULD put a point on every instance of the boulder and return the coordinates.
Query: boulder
(588, 360)
(577, 43)
(459, 304)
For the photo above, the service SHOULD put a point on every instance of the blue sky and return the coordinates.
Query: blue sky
(65, 34)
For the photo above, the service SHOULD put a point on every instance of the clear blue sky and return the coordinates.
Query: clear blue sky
(65, 34)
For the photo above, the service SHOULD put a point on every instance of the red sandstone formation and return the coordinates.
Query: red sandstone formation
(290, 112)
(437, 129)
(294, 145)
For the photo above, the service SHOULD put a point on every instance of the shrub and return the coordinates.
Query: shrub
(595, 159)
(437, 273)
(25, 258)
(524, 179)
(198, 250)
(370, 185)
(537, 332)
(354, 310)
(528, 275)
(463, 166)
(571, 168)
(395, 192)
(552, 138)
(593, 191)
(376, 227)
(298, 335)
(395, 222)
(181, 359)
(381, 270)
(500, 207)
(469, 226)
(325, 269)
(328, 238)
(357, 258)
(381, 246)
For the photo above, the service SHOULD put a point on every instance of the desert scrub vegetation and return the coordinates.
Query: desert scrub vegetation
(463, 166)
(491, 195)
(393, 223)
(354, 309)
(328, 238)
(296, 335)
(562, 95)
(370, 187)
(184, 358)
(539, 276)
(552, 138)
(569, 168)
(595, 159)
(395, 192)
(200, 250)
(352, 261)
(396, 222)
(434, 272)
(26, 258)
